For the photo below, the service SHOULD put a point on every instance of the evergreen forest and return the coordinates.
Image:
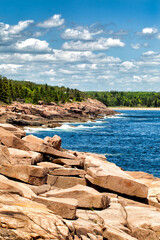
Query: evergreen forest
(29, 92)
(127, 99)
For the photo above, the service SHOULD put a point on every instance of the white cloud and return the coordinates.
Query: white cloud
(136, 46)
(149, 53)
(65, 71)
(9, 68)
(54, 21)
(149, 31)
(32, 44)
(137, 78)
(158, 36)
(100, 44)
(128, 65)
(51, 72)
(85, 66)
(20, 26)
(79, 33)
(8, 32)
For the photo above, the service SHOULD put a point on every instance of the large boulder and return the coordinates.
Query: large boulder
(16, 131)
(87, 197)
(8, 139)
(144, 222)
(65, 207)
(65, 181)
(38, 145)
(153, 184)
(30, 174)
(15, 187)
(109, 176)
(20, 156)
(55, 141)
(21, 218)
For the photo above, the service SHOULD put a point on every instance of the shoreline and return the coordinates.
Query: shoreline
(135, 108)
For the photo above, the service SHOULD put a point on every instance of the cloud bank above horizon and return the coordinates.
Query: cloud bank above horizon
(92, 56)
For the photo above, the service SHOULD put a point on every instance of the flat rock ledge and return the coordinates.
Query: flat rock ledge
(50, 193)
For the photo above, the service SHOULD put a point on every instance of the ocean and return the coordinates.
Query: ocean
(130, 139)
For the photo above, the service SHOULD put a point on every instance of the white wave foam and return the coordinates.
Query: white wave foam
(99, 121)
(37, 129)
(72, 127)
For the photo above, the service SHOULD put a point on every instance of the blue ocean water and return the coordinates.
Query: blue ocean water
(131, 140)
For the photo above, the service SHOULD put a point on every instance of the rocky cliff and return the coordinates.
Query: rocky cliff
(50, 193)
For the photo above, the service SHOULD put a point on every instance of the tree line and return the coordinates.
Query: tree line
(127, 99)
(29, 92)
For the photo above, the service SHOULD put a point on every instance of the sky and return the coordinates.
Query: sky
(91, 45)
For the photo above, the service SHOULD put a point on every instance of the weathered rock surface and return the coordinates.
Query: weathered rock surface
(109, 176)
(87, 197)
(24, 219)
(36, 144)
(55, 141)
(15, 187)
(69, 162)
(49, 165)
(65, 182)
(67, 172)
(20, 156)
(153, 184)
(8, 139)
(4, 155)
(144, 222)
(64, 207)
(16, 131)
(30, 174)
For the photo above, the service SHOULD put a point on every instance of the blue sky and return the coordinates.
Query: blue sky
(85, 44)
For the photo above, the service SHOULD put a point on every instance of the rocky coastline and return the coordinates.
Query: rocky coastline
(47, 192)
(53, 115)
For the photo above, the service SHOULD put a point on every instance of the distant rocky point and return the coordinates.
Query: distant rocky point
(23, 114)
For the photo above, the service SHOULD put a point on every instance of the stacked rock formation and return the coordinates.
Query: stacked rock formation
(50, 193)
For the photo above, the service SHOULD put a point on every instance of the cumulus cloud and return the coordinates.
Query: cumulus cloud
(8, 32)
(50, 72)
(20, 26)
(128, 65)
(32, 45)
(85, 66)
(9, 68)
(100, 44)
(79, 33)
(149, 30)
(149, 53)
(54, 21)
(135, 46)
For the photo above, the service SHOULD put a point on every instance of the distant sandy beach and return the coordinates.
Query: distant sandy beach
(135, 108)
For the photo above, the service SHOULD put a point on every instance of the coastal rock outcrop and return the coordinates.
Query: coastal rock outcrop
(50, 193)
(109, 176)
(52, 115)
